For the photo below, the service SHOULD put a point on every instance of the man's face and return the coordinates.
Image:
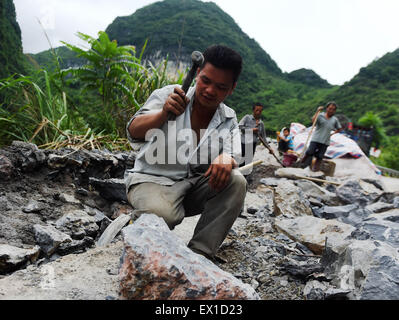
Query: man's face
(331, 109)
(257, 112)
(214, 85)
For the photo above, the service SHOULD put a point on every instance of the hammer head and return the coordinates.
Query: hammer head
(197, 58)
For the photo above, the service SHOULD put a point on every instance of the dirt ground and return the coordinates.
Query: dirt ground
(92, 275)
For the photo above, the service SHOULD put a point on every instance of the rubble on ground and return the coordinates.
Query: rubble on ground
(296, 239)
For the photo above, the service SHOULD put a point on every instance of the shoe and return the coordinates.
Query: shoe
(219, 259)
(215, 259)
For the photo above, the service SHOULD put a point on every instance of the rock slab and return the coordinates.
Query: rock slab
(49, 238)
(157, 265)
(369, 269)
(11, 258)
(313, 232)
(290, 200)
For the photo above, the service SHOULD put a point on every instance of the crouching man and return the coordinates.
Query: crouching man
(189, 166)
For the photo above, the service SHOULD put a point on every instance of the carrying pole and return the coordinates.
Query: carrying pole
(310, 134)
(270, 150)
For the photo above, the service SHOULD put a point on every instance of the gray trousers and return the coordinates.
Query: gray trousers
(190, 197)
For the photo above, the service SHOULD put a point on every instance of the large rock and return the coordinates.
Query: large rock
(13, 258)
(301, 269)
(290, 200)
(263, 200)
(55, 161)
(313, 232)
(380, 206)
(351, 214)
(368, 268)
(334, 212)
(110, 189)
(359, 191)
(28, 156)
(396, 202)
(316, 290)
(49, 238)
(383, 227)
(157, 265)
(92, 275)
(6, 168)
(34, 207)
(313, 190)
(78, 224)
(355, 217)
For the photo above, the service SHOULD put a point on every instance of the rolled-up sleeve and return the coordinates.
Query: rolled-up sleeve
(153, 104)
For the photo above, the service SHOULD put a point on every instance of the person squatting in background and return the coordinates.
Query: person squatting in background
(285, 142)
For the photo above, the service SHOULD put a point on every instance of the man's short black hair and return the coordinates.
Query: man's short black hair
(332, 103)
(223, 57)
(257, 104)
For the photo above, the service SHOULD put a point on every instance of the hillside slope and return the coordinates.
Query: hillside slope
(197, 25)
(288, 97)
(12, 59)
(375, 88)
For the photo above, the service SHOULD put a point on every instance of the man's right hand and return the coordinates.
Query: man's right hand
(320, 109)
(176, 103)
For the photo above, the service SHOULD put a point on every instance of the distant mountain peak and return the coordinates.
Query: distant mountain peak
(308, 77)
(178, 27)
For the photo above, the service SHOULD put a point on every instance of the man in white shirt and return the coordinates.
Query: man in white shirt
(188, 166)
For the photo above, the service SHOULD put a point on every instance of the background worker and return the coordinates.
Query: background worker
(285, 142)
(325, 123)
(250, 126)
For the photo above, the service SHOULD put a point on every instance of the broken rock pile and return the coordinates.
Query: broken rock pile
(296, 239)
(352, 233)
(48, 207)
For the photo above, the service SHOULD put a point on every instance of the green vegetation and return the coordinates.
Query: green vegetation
(376, 89)
(77, 94)
(35, 110)
(309, 77)
(389, 157)
(370, 120)
(86, 106)
(108, 73)
(55, 59)
(197, 25)
(11, 58)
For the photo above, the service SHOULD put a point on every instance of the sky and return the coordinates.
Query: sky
(334, 38)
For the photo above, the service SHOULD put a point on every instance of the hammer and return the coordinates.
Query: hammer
(198, 60)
